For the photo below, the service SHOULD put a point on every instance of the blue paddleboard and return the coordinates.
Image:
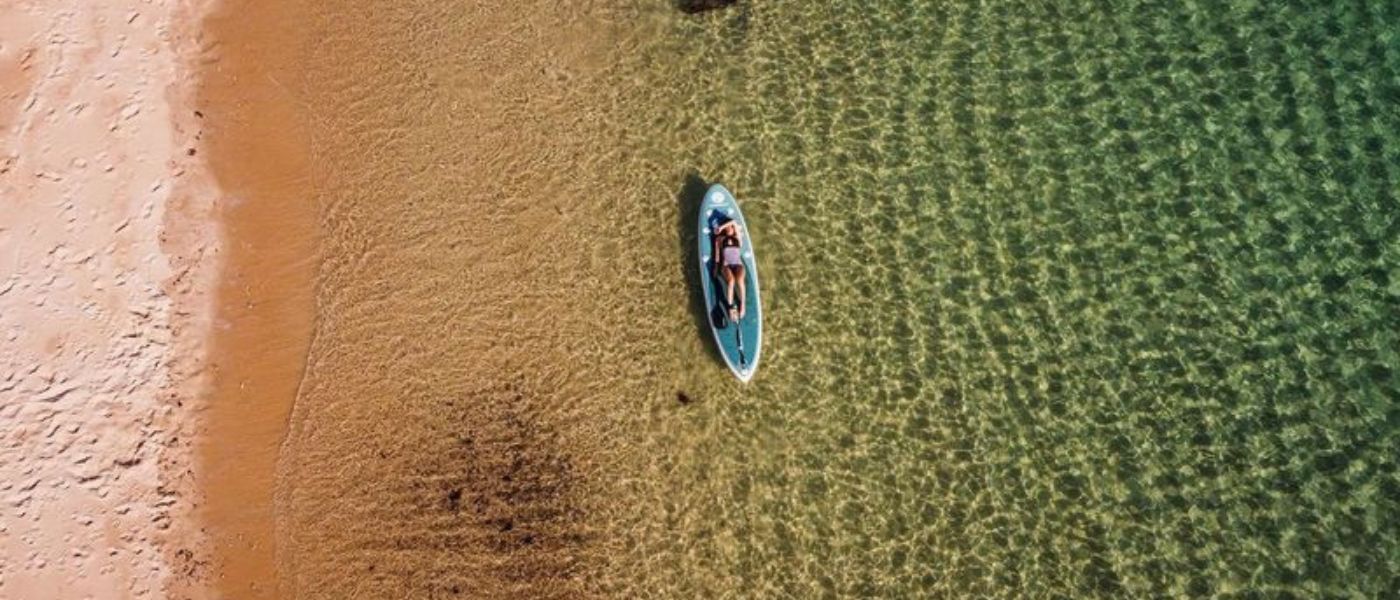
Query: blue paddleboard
(739, 343)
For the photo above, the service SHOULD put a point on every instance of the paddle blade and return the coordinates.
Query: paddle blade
(719, 318)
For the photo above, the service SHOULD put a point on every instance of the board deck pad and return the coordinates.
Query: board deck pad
(739, 343)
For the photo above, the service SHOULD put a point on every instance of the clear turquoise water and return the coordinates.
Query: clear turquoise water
(1062, 299)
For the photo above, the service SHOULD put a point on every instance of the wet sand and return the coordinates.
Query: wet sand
(257, 145)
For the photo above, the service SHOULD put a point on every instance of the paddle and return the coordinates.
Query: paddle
(739, 338)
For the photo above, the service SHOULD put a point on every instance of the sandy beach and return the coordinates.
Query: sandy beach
(108, 255)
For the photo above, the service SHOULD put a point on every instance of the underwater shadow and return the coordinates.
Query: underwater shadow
(693, 7)
(688, 200)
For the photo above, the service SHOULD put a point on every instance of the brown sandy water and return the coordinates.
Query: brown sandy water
(443, 442)
(502, 200)
(416, 199)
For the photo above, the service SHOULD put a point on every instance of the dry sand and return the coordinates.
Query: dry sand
(108, 249)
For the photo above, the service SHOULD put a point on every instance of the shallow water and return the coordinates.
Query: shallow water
(1059, 301)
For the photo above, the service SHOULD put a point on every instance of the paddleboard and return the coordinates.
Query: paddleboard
(740, 343)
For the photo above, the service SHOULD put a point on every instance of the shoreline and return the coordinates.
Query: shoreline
(105, 301)
(257, 148)
(157, 309)
(265, 304)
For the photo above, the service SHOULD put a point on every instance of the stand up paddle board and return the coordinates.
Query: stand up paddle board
(739, 342)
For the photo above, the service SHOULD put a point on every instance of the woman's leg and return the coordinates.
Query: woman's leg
(739, 274)
(729, 286)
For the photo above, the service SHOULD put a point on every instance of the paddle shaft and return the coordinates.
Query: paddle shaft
(739, 338)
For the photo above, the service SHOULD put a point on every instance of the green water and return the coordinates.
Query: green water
(1062, 299)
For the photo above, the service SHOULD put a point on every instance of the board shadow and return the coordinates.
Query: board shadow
(695, 7)
(688, 200)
